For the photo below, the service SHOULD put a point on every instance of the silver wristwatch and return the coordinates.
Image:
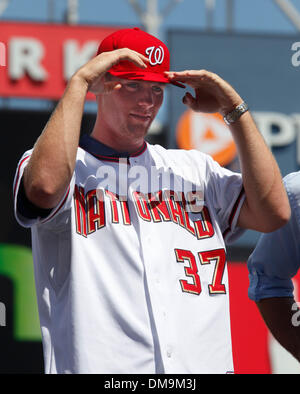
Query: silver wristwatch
(236, 113)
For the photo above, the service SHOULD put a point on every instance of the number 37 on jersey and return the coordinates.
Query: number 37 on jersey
(193, 286)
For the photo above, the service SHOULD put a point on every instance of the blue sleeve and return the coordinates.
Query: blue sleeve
(276, 258)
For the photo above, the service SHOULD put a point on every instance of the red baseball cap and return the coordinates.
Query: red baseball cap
(144, 43)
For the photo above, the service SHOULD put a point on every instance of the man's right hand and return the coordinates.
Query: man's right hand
(93, 71)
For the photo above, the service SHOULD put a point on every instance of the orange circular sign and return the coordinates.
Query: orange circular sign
(207, 133)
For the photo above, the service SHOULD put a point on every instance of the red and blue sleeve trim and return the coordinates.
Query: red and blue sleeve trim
(59, 207)
(18, 174)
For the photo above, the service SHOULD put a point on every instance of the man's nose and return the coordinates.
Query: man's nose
(146, 98)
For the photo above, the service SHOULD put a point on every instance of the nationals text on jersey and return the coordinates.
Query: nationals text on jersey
(164, 205)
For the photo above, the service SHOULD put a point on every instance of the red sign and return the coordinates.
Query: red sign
(40, 58)
(249, 332)
(254, 349)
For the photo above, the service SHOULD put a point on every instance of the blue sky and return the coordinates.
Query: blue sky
(260, 16)
(250, 15)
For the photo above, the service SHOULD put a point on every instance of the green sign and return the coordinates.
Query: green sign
(17, 265)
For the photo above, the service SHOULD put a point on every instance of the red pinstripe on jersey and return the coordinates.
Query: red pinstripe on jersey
(18, 173)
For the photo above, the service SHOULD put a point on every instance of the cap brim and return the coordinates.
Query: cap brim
(145, 76)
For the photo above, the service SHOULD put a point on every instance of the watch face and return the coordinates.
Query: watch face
(236, 113)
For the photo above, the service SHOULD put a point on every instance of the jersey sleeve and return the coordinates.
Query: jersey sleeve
(36, 216)
(276, 257)
(224, 189)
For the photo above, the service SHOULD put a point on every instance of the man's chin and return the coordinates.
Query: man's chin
(140, 130)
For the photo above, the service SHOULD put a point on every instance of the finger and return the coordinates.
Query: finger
(177, 74)
(138, 60)
(174, 77)
(105, 87)
(195, 83)
(189, 72)
(144, 58)
(133, 56)
(189, 75)
(118, 86)
(170, 76)
(109, 86)
(110, 59)
(189, 100)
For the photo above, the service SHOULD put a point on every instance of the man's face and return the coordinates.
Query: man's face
(129, 111)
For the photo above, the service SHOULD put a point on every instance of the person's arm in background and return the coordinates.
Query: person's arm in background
(52, 162)
(280, 315)
(272, 265)
(266, 206)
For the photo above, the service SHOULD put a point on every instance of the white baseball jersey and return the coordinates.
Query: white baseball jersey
(137, 284)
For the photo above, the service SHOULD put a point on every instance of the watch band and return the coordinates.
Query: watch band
(234, 115)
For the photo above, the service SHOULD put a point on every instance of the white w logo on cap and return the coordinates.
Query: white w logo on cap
(155, 55)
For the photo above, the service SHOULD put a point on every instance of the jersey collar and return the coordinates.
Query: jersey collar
(104, 152)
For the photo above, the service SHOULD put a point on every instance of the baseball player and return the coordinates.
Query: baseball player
(129, 238)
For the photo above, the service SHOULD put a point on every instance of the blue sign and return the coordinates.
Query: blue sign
(265, 71)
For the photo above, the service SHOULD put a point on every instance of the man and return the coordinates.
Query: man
(128, 238)
(272, 265)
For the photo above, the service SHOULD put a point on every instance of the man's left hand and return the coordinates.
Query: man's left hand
(212, 93)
